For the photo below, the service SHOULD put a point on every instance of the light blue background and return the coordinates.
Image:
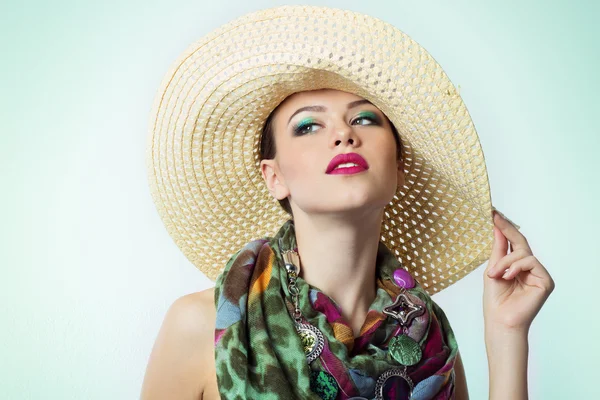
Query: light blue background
(88, 270)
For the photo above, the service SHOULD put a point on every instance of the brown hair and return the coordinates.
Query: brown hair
(267, 149)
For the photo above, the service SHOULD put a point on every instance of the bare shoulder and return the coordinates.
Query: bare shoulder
(181, 364)
(460, 383)
(195, 315)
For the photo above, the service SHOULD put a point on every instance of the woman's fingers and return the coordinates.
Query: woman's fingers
(499, 249)
(505, 262)
(536, 275)
(510, 232)
(526, 263)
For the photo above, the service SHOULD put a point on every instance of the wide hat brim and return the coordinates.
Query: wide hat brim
(206, 121)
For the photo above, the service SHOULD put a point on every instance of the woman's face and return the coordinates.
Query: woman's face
(310, 129)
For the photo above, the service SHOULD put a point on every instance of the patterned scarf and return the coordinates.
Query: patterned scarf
(259, 354)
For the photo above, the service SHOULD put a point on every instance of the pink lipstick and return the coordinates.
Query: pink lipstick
(342, 164)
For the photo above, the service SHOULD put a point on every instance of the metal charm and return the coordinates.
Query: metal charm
(405, 350)
(403, 310)
(312, 341)
(311, 337)
(395, 372)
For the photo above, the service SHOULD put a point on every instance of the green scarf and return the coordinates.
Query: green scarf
(259, 354)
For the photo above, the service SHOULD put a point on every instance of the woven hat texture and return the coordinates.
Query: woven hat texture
(206, 121)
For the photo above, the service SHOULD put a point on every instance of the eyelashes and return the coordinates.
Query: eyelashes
(305, 126)
(369, 116)
(309, 125)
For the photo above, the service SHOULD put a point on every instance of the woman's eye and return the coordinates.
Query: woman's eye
(367, 118)
(305, 127)
(362, 121)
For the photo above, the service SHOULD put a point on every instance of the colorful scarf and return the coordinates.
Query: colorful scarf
(259, 354)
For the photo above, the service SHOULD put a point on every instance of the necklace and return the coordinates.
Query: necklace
(312, 339)
(402, 348)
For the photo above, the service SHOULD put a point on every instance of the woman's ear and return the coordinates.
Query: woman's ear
(274, 179)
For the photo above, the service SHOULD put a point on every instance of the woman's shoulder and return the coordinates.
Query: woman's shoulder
(181, 363)
(203, 302)
(193, 314)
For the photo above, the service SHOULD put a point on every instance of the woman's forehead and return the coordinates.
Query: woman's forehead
(321, 97)
(312, 96)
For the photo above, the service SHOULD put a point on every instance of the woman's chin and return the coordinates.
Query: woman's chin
(348, 208)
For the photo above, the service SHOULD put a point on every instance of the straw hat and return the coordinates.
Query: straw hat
(206, 121)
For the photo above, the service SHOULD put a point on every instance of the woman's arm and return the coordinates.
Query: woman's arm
(179, 360)
(507, 353)
(461, 392)
(515, 287)
(507, 362)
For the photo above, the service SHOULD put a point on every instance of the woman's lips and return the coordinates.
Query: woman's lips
(354, 158)
(347, 170)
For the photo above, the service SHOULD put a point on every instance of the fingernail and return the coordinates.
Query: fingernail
(506, 273)
(505, 217)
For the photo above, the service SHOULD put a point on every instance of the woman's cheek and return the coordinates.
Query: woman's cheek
(294, 171)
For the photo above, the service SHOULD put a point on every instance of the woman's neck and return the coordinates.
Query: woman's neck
(338, 256)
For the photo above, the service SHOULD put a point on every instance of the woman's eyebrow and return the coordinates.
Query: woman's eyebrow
(323, 108)
(307, 108)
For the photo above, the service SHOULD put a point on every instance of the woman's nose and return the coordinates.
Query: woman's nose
(344, 134)
(350, 140)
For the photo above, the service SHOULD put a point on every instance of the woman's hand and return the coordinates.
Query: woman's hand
(511, 300)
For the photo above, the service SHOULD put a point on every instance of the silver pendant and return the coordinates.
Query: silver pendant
(312, 341)
(403, 310)
(405, 391)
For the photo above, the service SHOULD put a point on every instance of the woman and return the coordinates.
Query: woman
(336, 304)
